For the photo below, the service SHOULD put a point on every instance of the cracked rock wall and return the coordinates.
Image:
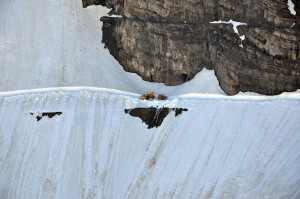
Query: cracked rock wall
(170, 41)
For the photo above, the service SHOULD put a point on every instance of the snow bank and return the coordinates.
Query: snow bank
(191, 96)
(217, 149)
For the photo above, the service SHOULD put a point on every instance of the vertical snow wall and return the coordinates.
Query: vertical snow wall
(219, 148)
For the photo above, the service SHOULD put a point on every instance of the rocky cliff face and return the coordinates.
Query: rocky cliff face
(170, 41)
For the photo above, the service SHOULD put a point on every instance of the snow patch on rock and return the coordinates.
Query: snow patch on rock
(235, 25)
(291, 6)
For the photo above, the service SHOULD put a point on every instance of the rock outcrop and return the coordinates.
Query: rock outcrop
(170, 41)
(154, 116)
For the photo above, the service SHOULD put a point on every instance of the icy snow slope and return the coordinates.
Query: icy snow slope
(58, 43)
(226, 147)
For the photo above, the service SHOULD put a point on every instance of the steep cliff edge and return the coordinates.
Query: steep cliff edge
(171, 41)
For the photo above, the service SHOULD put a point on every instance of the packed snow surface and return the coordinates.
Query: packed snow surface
(222, 147)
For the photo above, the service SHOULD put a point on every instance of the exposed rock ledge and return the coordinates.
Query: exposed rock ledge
(153, 116)
(171, 41)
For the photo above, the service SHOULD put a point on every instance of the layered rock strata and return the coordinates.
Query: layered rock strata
(170, 41)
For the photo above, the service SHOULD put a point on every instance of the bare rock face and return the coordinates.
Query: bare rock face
(170, 41)
(157, 52)
(268, 63)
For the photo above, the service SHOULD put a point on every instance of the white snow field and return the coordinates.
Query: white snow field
(243, 147)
